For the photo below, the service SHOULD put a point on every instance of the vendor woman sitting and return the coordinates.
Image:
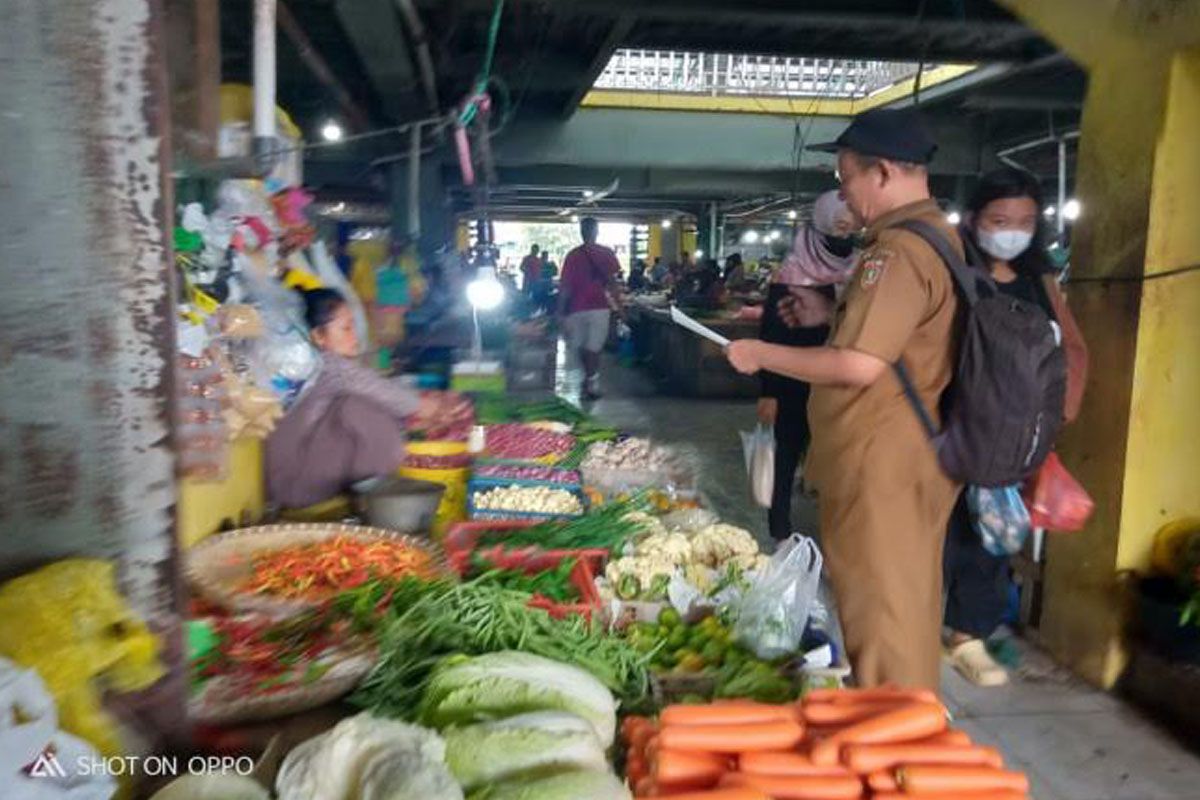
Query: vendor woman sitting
(348, 425)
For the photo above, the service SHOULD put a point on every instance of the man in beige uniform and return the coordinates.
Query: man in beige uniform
(884, 500)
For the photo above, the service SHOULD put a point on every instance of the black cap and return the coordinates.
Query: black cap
(897, 134)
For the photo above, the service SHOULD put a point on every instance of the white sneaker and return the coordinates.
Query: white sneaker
(975, 663)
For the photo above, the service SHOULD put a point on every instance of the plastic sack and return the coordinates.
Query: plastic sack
(1056, 501)
(758, 447)
(774, 611)
(1000, 518)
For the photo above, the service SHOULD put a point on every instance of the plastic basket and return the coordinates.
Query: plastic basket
(462, 541)
(453, 507)
(484, 484)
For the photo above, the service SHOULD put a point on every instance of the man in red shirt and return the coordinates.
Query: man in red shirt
(589, 274)
(531, 269)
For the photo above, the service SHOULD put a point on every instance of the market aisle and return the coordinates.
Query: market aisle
(1075, 742)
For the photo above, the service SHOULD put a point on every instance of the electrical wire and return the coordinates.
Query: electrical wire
(1153, 276)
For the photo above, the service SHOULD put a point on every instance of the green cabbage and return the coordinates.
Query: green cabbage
(504, 684)
(542, 742)
(576, 785)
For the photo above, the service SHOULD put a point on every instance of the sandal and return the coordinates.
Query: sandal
(975, 663)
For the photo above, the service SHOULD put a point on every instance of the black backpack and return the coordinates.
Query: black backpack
(1005, 405)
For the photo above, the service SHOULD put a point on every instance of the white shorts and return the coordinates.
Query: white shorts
(587, 330)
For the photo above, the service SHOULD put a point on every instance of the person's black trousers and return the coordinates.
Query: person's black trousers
(976, 581)
(791, 442)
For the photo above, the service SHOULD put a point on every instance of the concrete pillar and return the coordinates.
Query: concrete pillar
(1136, 446)
(87, 309)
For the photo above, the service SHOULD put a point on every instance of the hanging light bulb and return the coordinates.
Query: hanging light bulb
(666, 223)
(954, 218)
(750, 237)
(331, 132)
(793, 214)
(1071, 210)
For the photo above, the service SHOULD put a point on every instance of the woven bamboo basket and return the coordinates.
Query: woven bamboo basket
(218, 566)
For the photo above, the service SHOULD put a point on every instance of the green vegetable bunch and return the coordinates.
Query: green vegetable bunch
(431, 621)
(605, 527)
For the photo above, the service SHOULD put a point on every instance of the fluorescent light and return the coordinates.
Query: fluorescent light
(1072, 209)
(666, 223)
(588, 194)
(750, 237)
(793, 214)
(954, 218)
(1050, 212)
(331, 132)
(485, 292)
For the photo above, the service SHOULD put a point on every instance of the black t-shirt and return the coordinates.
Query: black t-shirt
(1029, 289)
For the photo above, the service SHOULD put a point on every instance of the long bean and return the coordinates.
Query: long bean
(479, 617)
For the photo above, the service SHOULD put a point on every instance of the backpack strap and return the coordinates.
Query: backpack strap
(967, 281)
(966, 278)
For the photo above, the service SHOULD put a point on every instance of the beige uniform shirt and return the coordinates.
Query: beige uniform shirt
(900, 303)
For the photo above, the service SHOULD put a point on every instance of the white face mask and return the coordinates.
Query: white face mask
(1004, 245)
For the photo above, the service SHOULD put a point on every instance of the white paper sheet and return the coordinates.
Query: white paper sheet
(683, 320)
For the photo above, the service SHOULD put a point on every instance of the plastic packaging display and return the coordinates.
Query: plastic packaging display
(758, 447)
(201, 434)
(774, 612)
(1000, 517)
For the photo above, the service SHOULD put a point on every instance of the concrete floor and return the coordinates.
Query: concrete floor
(1076, 743)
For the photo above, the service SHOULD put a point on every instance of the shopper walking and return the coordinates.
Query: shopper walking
(585, 299)
(1004, 230)
(884, 500)
(531, 270)
(822, 248)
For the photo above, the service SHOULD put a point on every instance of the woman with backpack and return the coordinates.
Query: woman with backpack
(1004, 228)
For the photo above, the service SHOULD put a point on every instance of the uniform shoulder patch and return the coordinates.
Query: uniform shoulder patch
(874, 262)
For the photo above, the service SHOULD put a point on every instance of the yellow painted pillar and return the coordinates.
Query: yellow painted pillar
(654, 243)
(1136, 446)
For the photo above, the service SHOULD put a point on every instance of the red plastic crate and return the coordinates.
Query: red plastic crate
(462, 540)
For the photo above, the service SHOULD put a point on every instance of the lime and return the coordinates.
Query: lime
(692, 662)
(714, 654)
(677, 638)
(669, 618)
(698, 637)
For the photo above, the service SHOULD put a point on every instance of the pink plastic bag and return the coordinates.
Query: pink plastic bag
(1056, 501)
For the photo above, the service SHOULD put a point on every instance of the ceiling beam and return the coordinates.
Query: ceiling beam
(374, 28)
(356, 118)
(621, 26)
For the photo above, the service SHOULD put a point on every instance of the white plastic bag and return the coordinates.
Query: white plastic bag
(758, 446)
(774, 611)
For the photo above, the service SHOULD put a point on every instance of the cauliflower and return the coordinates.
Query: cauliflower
(716, 544)
(649, 523)
(673, 547)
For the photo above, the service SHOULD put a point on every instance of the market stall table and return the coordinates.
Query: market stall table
(687, 365)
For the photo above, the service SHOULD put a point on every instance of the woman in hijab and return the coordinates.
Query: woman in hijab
(822, 256)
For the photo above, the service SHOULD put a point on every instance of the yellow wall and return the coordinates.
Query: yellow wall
(1162, 468)
(240, 497)
(1136, 446)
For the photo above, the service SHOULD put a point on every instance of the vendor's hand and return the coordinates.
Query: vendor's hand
(744, 355)
(768, 410)
(805, 308)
